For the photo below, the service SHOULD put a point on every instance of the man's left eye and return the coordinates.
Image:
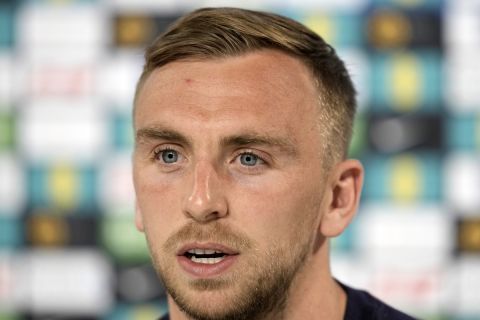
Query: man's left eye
(249, 159)
(169, 156)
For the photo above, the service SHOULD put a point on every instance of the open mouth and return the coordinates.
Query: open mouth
(205, 256)
(206, 260)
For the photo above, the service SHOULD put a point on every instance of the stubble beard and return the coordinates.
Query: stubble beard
(259, 291)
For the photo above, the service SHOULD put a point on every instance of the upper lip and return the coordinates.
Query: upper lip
(212, 246)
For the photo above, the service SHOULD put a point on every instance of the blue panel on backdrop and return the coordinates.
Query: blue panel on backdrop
(463, 132)
(7, 22)
(406, 81)
(11, 232)
(345, 242)
(339, 30)
(408, 177)
(122, 132)
(63, 186)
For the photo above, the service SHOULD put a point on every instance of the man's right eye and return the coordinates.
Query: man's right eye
(167, 156)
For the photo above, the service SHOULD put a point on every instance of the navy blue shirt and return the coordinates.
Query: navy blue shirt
(363, 306)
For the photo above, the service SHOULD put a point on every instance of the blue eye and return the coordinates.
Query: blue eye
(248, 159)
(169, 156)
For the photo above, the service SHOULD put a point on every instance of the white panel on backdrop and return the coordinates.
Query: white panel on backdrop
(346, 5)
(116, 185)
(462, 68)
(401, 236)
(64, 282)
(179, 6)
(465, 299)
(462, 22)
(118, 78)
(63, 130)
(61, 78)
(6, 80)
(7, 302)
(419, 290)
(187, 5)
(351, 269)
(246, 4)
(165, 6)
(49, 30)
(12, 185)
(338, 5)
(358, 68)
(462, 183)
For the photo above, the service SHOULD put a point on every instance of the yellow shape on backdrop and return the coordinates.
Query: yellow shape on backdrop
(406, 182)
(469, 236)
(390, 29)
(63, 187)
(323, 25)
(133, 30)
(47, 230)
(406, 82)
(145, 313)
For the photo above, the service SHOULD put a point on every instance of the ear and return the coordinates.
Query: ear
(138, 218)
(343, 196)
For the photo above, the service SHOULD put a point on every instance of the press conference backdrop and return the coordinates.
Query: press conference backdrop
(68, 246)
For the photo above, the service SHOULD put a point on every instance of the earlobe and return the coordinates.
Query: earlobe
(138, 218)
(343, 198)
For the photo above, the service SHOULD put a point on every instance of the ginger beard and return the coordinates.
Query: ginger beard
(257, 285)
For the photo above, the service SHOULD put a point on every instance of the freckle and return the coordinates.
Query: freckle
(189, 81)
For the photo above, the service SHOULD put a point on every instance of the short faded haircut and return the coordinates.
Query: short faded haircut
(210, 33)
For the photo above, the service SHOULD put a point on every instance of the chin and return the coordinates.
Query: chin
(208, 303)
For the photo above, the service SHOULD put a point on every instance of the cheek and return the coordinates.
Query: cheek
(280, 212)
(156, 198)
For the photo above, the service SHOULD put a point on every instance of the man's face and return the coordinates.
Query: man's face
(228, 178)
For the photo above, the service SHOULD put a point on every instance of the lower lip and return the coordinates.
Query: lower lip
(203, 270)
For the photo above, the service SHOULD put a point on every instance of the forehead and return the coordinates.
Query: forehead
(264, 88)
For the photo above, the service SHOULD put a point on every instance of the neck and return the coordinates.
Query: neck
(314, 293)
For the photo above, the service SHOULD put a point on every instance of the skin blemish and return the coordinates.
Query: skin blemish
(189, 81)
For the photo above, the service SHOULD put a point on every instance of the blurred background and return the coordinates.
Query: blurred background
(68, 245)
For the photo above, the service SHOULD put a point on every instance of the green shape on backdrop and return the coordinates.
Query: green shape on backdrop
(6, 131)
(359, 137)
(122, 240)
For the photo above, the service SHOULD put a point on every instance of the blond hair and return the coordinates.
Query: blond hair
(210, 33)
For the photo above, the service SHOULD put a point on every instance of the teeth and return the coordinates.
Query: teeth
(207, 260)
(203, 251)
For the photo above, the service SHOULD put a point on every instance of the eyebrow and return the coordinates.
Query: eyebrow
(247, 139)
(160, 133)
(286, 145)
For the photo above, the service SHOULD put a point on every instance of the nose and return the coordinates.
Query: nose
(205, 200)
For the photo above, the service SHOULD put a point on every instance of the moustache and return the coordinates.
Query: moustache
(214, 232)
